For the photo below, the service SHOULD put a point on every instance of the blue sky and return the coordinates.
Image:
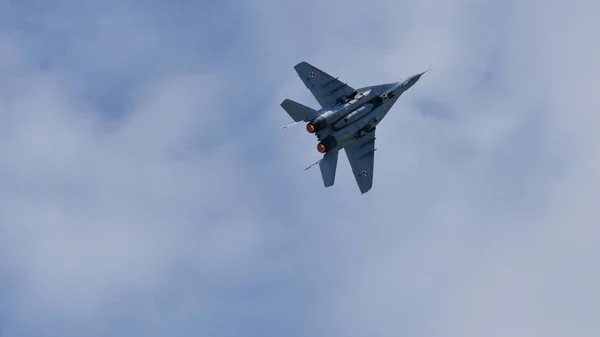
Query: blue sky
(148, 190)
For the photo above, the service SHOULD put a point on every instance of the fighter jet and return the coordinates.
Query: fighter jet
(347, 120)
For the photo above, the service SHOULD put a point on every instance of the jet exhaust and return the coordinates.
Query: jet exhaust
(330, 142)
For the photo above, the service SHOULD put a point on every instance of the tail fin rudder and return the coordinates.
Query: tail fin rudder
(297, 111)
(328, 167)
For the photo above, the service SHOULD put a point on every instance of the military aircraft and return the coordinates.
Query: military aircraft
(347, 120)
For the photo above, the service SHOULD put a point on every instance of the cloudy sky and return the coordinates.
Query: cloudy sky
(146, 188)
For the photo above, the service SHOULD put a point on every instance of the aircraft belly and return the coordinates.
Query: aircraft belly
(349, 131)
(350, 106)
(353, 116)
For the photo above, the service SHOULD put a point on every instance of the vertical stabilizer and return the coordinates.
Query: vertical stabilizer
(328, 166)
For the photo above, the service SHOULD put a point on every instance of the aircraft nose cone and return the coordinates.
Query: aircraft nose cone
(412, 80)
(418, 76)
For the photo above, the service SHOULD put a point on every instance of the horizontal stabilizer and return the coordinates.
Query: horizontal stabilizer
(297, 111)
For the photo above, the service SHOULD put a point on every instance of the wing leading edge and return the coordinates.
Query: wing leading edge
(361, 155)
(326, 89)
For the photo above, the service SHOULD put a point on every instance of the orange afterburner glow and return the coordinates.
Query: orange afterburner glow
(321, 148)
(310, 128)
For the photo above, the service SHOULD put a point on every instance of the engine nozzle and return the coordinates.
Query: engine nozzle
(316, 124)
(327, 144)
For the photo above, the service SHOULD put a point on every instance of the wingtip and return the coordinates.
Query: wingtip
(301, 64)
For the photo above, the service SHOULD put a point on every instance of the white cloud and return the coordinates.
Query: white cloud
(482, 219)
(481, 222)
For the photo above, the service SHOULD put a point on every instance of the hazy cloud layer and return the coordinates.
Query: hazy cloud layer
(147, 189)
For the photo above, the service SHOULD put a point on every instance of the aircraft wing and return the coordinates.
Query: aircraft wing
(361, 155)
(326, 89)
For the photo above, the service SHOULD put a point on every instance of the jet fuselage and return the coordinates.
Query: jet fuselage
(359, 114)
